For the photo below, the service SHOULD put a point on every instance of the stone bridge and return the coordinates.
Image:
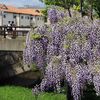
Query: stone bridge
(11, 57)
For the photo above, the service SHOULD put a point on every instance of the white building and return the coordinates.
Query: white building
(20, 16)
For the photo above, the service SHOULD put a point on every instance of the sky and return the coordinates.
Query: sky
(20, 3)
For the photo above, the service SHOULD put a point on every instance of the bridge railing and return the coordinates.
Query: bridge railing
(16, 31)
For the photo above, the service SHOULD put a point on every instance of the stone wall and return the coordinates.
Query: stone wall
(11, 63)
(17, 44)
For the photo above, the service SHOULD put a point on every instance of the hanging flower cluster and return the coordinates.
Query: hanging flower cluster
(70, 47)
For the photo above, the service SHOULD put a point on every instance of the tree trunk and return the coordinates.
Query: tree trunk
(69, 96)
(91, 10)
(81, 4)
(66, 5)
(69, 12)
(68, 91)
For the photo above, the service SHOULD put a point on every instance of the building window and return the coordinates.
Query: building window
(31, 18)
(22, 17)
(4, 16)
(14, 16)
(28, 17)
(37, 18)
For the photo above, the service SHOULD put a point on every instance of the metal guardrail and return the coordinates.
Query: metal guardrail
(17, 29)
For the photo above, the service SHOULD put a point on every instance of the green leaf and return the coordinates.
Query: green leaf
(35, 36)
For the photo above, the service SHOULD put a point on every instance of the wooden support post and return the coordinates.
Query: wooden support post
(4, 32)
(15, 32)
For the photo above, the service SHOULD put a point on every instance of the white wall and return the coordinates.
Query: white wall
(24, 21)
(39, 20)
(8, 17)
(0, 20)
(19, 21)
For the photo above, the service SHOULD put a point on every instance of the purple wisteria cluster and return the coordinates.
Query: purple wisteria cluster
(55, 14)
(70, 47)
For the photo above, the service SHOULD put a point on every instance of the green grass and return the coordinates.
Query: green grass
(20, 93)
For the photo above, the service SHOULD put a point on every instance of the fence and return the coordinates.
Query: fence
(18, 30)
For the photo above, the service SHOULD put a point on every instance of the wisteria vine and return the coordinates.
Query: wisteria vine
(68, 48)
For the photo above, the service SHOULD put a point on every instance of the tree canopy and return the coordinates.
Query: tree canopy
(86, 6)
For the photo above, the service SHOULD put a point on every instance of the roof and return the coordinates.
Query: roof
(12, 9)
(30, 11)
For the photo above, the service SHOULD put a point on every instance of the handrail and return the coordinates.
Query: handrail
(16, 26)
(3, 30)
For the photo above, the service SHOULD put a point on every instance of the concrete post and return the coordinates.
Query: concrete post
(1, 17)
(18, 19)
